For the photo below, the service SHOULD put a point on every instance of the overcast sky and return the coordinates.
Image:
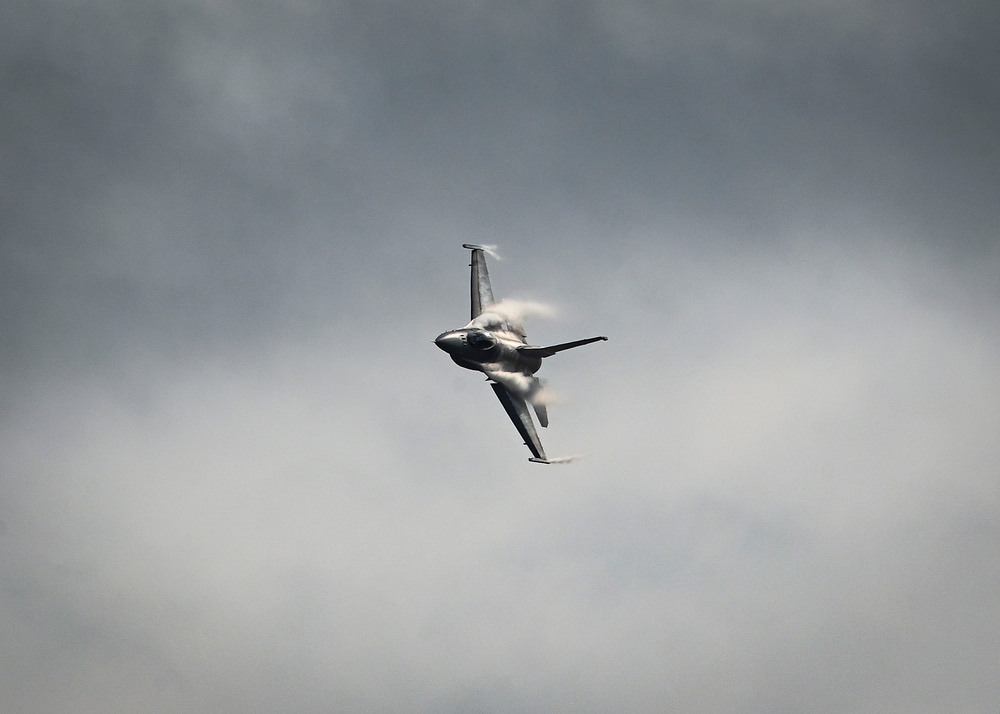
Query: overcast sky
(236, 475)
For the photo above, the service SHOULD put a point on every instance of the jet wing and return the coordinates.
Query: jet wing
(517, 410)
(482, 293)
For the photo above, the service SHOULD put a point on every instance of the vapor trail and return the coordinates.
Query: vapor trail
(565, 459)
(517, 382)
(510, 314)
(491, 250)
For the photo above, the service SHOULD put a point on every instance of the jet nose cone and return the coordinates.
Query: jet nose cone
(448, 341)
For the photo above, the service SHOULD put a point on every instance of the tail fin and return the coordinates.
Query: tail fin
(529, 351)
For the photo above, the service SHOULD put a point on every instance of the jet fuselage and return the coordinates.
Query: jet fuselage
(487, 350)
(494, 343)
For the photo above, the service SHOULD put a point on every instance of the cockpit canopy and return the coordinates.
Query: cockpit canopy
(480, 340)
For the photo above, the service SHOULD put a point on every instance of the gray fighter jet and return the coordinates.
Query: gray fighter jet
(494, 343)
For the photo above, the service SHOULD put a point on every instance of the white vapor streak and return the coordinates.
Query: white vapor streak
(491, 250)
(530, 388)
(544, 396)
(565, 459)
(511, 312)
(517, 382)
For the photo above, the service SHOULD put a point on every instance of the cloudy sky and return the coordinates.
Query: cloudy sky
(236, 476)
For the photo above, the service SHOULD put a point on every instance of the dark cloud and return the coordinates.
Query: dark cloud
(237, 476)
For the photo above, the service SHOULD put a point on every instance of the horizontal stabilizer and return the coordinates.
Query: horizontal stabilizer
(541, 412)
(529, 351)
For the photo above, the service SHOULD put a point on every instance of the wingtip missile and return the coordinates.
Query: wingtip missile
(557, 460)
(490, 250)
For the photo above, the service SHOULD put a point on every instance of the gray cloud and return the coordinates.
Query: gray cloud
(235, 474)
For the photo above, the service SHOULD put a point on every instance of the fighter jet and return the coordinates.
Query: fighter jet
(494, 343)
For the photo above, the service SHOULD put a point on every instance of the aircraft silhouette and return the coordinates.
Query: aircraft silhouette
(494, 343)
